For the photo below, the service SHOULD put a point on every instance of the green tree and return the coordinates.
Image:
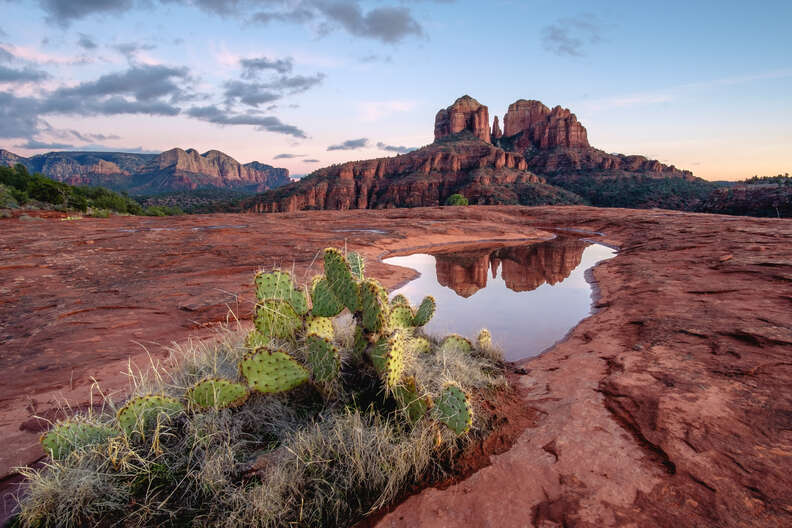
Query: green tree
(456, 199)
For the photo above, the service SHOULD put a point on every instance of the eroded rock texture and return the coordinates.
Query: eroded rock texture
(466, 114)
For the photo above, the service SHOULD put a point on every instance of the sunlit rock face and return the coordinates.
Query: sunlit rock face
(523, 268)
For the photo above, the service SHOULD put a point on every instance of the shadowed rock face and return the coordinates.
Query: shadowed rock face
(524, 267)
(465, 114)
(428, 176)
(173, 170)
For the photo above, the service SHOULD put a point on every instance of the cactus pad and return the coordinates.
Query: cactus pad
(388, 358)
(412, 402)
(356, 264)
(323, 358)
(424, 312)
(458, 342)
(143, 413)
(322, 326)
(276, 318)
(67, 436)
(256, 339)
(420, 345)
(399, 299)
(325, 302)
(453, 409)
(484, 339)
(217, 393)
(400, 317)
(340, 278)
(278, 285)
(371, 306)
(271, 371)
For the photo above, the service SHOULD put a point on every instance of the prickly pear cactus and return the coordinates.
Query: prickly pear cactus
(399, 299)
(278, 285)
(65, 437)
(420, 345)
(401, 316)
(484, 339)
(360, 343)
(323, 358)
(275, 318)
(356, 264)
(340, 278)
(325, 302)
(458, 342)
(424, 312)
(217, 393)
(388, 358)
(271, 371)
(373, 312)
(412, 402)
(453, 409)
(142, 414)
(322, 326)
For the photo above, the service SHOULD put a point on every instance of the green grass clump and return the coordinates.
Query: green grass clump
(315, 427)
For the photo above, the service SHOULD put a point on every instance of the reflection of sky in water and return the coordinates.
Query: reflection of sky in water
(522, 323)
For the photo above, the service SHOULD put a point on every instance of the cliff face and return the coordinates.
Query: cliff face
(465, 114)
(540, 127)
(428, 176)
(553, 141)
(173, 170)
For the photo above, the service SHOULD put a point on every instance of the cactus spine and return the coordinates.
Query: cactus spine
(272, 371)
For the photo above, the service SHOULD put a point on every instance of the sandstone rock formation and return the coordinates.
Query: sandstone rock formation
(553, 141)
(465, 114)
(496, 130)
(542, 128)
(173, 170)
(537, 146)
(481, 172)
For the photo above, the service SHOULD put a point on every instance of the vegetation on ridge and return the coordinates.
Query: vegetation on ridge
(19, 188)
(334, 405)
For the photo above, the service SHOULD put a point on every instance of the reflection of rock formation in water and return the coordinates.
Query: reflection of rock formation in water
(524, 268)
(465, 273)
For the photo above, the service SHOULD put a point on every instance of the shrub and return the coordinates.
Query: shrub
(456, 199)
(331, 407)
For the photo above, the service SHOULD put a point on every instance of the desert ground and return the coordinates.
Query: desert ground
(670, 406)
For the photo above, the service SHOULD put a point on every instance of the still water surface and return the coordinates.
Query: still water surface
(529, 296)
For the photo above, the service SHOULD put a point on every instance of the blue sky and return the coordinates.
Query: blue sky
(706, 86)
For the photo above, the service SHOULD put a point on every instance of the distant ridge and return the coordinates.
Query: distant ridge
(142, 174)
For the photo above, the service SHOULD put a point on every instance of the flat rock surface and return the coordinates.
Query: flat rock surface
(671, 406)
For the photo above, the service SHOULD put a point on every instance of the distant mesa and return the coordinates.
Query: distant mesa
(537, 153)
(172, 170)
(523, 268)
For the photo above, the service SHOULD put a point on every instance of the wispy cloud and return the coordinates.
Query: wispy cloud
(569, 36)
(350, 144)
(394, 148)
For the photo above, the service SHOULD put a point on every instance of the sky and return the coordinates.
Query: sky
(301, 84)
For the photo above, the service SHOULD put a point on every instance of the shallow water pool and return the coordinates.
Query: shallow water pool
(529, 295)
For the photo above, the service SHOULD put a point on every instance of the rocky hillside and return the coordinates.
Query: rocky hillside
(461, 160)
(772, 200)
(542, 156)
(141, 174)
